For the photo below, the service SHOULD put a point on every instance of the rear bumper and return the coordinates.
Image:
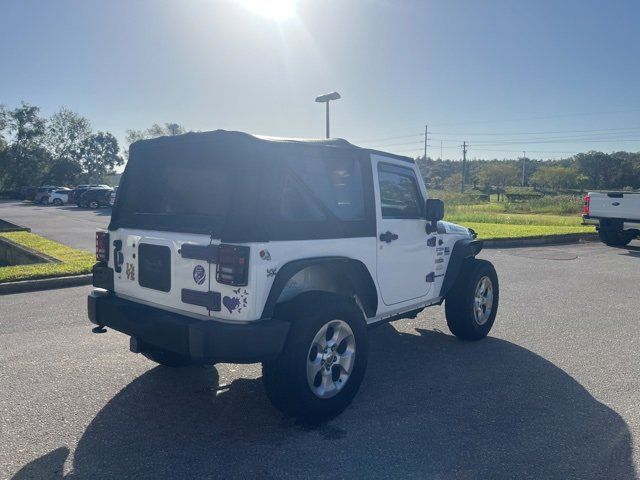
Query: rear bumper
(205, 341)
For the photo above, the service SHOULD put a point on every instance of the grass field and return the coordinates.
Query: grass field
(73, 262)
(492, 221)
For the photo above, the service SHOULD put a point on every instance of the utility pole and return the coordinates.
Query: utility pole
(524, 168)
(426, 132)
(464, 165)
(441, 150)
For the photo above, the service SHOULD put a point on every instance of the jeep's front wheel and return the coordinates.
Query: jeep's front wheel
(320, 369)
(472, 303)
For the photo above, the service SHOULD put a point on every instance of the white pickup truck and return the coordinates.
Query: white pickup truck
(615, 214)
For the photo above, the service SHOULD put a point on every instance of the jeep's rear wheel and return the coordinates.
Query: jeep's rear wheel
(472, 304)
(94, 204)
(318, 373)
(166, 358)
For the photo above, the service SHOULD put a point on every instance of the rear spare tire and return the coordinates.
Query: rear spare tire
(322, 365)
(472, 303)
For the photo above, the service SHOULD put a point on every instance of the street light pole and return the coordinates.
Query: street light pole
(327, 119)
(326, 99)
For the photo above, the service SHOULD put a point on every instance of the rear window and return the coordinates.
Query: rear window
(181, 189)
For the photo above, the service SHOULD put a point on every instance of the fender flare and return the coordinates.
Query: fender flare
(462, 249)
(356, 272)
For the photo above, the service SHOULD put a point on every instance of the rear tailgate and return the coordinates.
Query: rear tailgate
(615, 205)
(150, 266)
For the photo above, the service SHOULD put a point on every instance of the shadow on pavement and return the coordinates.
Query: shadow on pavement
(632, 251)
(431, 407)
(102, 211)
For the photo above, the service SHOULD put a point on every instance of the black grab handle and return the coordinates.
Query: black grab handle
(388, 237)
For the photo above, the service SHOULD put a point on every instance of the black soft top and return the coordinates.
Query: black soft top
(234, 139)
(255, 164)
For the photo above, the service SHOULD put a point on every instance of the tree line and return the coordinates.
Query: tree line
(65, 150)
(590, 170)
(62, 149)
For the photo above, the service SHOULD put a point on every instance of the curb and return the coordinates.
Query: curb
(541, 241)
(45, 284)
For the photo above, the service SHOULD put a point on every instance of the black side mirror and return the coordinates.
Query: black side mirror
(434, 212)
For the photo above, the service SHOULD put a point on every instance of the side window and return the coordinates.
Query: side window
(295, 204)
(336, 182)
(399, 193)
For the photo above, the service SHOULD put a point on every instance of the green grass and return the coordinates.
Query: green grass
(493, 231)
(557, 215)
(515, 219)
(73, 262)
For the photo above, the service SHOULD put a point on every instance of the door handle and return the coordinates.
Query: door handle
(388, 237)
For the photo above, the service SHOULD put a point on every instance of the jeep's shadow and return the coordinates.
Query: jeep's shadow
(632, 251)
(430, 407)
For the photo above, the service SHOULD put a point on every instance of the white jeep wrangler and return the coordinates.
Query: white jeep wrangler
(227, 247)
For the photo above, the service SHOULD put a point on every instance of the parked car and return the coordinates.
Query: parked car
(112, 197)
(42, 194)
(80, 189)
(28, 193)
(616, 216)
(95, 198)
(200, 266)
(59, 197)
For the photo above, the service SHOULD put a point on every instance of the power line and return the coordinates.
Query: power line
(419, 135)
(583, 114)
(541, 133)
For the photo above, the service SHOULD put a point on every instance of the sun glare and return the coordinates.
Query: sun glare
(273, 9)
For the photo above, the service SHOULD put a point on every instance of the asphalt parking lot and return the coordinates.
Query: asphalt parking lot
(553, 393)
(68, 224)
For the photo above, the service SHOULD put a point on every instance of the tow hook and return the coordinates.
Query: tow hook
(99, 329)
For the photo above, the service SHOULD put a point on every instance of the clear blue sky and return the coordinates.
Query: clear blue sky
(493, 73)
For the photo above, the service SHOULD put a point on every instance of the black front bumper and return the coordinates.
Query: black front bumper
(206, 341)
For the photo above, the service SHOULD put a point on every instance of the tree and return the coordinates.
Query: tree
(26, 159)
(556, 178)
(498, 174)
(593, 165)
(66, 133)
(155, 130)
(100, 155)
(27, 126)
(3, 123)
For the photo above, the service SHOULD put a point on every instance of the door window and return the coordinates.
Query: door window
(399, 193)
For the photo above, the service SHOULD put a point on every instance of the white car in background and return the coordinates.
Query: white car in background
(59, 197)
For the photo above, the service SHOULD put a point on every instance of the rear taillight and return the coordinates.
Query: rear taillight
(585, 205)
(233, 265)
(102, 246)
